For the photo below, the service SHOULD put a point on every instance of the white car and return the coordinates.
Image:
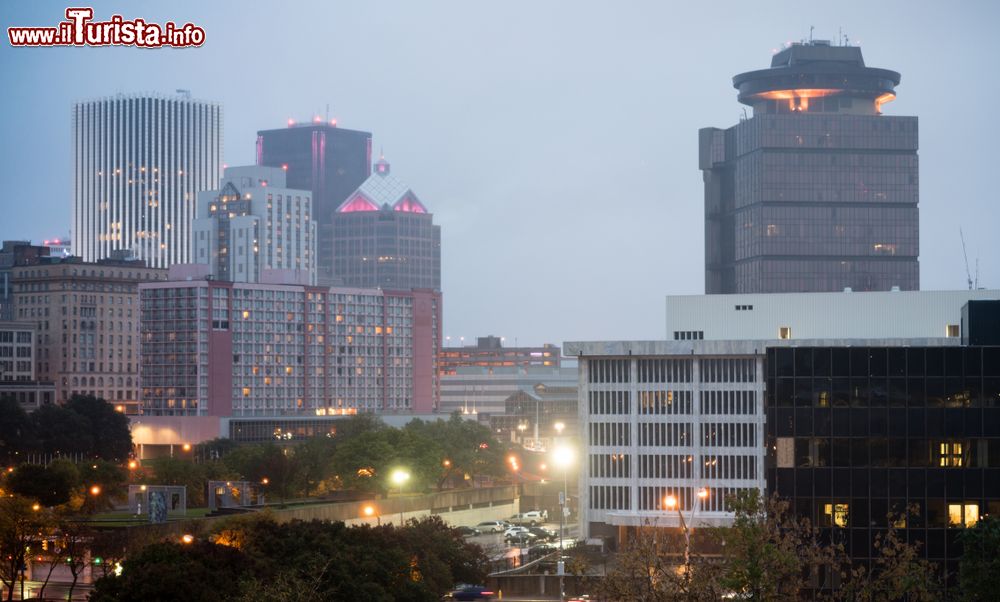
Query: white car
(515, 531)
(490, 526)
(533, 517)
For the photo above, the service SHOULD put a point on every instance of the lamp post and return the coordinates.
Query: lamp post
(400, 477)
(563, 458)
(369, 511)
(670, 503)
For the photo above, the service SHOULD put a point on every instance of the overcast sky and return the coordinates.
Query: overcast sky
(555, 142)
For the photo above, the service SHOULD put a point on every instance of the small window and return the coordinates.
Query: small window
(784, 332)
(952, 331)
(963, 515)
(836, 514)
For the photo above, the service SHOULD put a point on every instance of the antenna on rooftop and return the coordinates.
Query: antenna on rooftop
(968, 276)
(811, 28)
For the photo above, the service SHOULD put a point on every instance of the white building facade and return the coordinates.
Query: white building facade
(845, 315)
(252, 223)
(138, 162)
(663, 418)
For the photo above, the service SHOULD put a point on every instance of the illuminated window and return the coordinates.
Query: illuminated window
(772, 230)
(952, 331)
(837, 513)
(784, 332)
(963, 515)
(246, 314)
(246, 391)
(950, 454)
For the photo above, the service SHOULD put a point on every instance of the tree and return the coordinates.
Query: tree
(769, 553)
(176, 471)
(22, 523)
(17, 434)
(107, 427)
(363, 462)
(197, 572)
(315, 459)
(111, 481)
(61, 431)
(898, 571)
(650, 567)
(979, 568)
(51, 485)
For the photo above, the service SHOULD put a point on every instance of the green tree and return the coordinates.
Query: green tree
(770, 554)
(51, 485)
(61, 431)
(21, 525)
(197, 572)
(180, 472)
(108, 429)
(315, 459)
(979, 568)
(17, 433)
(650, 567)
(111, 480)
(363, 462)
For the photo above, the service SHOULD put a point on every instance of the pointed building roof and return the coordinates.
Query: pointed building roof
(382, 190)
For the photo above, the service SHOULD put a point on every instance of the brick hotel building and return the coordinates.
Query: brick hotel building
(212, 348)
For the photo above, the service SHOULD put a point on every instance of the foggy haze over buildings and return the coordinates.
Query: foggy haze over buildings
(556, 144)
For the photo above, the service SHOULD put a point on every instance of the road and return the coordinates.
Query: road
(53, 591)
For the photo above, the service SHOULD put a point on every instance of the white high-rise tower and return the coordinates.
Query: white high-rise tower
(138, 163)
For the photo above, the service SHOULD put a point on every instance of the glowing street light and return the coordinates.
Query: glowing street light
(95, 490)
(370, 511)
(559, 426)
(132, 465)
(563, 458)
(187, 538)
(670, 503)
(400, 477)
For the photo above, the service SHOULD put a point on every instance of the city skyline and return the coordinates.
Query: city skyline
(561, 136)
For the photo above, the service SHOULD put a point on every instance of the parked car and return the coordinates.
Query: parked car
(469, 592)
(468, 531)
(491, 526)
(523, 540)
(515, 531)
(533, 517)
(543, 534)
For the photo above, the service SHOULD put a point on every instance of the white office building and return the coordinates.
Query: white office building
(252, 223)
(664, 418)
(844, 315)
(670, 418)
(138, 163)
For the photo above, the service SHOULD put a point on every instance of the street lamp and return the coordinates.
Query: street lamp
(559, 426)
(562, 457)
(369, 511)
(670, 503)
(400, 477)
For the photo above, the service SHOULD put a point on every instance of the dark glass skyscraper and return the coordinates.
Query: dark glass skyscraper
(384, 237)
(817, 191)
(330, 161)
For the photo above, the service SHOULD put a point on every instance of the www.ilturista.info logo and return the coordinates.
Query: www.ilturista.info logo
(79, 29)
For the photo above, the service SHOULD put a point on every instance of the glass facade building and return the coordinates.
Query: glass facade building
(329, 161)
(855, 434)
(384, 237)
(817, 191)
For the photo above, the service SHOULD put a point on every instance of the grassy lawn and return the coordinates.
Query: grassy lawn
(127, 519)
